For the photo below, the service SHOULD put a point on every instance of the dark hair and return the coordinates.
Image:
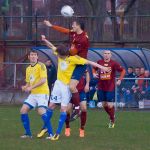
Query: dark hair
(32, 51)
(80, 23)
(62, 50)
(130, 67)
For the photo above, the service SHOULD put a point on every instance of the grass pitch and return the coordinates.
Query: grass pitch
(132, 132)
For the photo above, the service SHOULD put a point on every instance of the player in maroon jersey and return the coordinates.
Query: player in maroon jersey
(79, 45)
(106, 84)
(83, 88)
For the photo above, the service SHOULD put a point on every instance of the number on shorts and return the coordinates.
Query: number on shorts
(54, 98)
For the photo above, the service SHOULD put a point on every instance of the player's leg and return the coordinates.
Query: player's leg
(42, 102)
(109, 107)
(27, 106)
(66, 96)
(67, 129)
(83, 116)
(55, 98)
(76, 76)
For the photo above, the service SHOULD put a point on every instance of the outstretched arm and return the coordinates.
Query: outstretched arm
(58, 28)
(48, 43)
(105, 69)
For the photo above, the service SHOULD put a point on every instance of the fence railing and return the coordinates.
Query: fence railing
(133, 92)
(12, 75)
(99, 28)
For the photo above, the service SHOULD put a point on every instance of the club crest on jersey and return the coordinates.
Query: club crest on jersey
(63, 65)
(31, 78)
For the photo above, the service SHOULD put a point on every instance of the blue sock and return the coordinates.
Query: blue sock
(47, 123)
(49, 115)
(26, 123)
(62, 119)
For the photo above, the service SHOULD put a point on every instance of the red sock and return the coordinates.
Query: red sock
(106, 109)
(112, 114)
(76, 100)
(67, 121)
(83, 117)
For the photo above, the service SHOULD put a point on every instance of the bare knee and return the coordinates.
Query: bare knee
(73, 84)
(24, 109)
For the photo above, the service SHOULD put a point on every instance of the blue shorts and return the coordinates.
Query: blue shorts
(78, 72)
(82, 96)
(106, 96)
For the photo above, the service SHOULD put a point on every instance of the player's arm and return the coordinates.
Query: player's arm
(58, 28)
(48, 43)
(24, 87)
(86, 88)
(104, 69)
(41, 82)
(122, 74)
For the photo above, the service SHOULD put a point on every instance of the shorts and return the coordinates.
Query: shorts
(60, 94)
(82, 96)
(106, 96)
(37, 100)
(79, 72)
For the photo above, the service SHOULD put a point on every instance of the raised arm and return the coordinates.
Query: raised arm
(58, 28)
(48, 43)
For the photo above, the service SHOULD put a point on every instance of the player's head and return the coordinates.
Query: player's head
(142, 70)
(48, 62)
(130, 69)
(107, 55)
(62, 50)
(33, 56)
(137, 70)
(77, 25)
(147, 73)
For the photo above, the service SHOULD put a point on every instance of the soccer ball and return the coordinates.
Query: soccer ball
(67, 11)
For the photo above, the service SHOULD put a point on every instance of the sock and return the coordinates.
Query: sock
(67, 121)
(49, 115)
(83, 118)
(62, 119)
(76, 101)
(112, 114)
(26, 123)
(106, 109)
(47, 123)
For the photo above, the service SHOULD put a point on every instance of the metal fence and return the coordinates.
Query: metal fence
(99, 28)
(12, 75)
(133, 92)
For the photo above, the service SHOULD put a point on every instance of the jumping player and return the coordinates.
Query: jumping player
(79, 45)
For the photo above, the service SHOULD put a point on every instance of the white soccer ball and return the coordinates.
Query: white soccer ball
(67, 11)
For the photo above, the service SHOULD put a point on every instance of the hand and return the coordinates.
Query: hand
(47, 23)
(86, 88)
(23, 88)
(43, 37)
(118, 82)
(28, 89)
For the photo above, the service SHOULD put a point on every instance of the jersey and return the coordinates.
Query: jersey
(107, 79)
(66, 67)
(34, 74)
(80, 42)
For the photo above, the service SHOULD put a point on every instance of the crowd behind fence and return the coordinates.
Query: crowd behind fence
(133, 91)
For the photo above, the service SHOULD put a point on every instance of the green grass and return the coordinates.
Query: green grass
(132, 132)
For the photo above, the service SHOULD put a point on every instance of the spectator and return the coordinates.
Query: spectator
(137, 72)
(140, 81)
(51, 73)
(146, 86)
(127, 87)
